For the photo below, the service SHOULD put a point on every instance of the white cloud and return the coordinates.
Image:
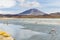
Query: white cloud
(7, 3)
(30, 4)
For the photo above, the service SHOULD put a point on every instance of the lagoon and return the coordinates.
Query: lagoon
(31, 29)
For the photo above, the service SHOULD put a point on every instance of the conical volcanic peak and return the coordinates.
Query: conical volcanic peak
(32, 12)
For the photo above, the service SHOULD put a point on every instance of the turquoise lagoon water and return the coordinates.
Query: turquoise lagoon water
(29, 29)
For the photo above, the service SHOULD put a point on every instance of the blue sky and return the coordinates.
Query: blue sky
(18, 6)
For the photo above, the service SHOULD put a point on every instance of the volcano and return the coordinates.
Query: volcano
(32, 12)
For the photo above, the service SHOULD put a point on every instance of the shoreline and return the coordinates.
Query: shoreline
(6, 18)
(36, 20)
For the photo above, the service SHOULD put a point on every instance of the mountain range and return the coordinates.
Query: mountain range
(32, 13)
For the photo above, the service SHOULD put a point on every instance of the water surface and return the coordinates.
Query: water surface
(28, 29)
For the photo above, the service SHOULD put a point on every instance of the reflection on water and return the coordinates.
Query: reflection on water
(21, 31)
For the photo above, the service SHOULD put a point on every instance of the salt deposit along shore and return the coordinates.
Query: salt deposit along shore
(5, 18)
(35, 20)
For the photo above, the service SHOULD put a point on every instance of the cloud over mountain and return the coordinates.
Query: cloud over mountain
(30, 4)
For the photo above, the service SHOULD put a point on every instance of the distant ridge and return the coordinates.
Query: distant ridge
(32, 12)
(55, 14)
